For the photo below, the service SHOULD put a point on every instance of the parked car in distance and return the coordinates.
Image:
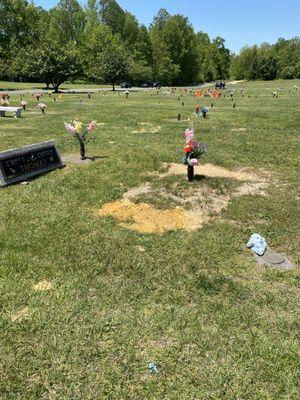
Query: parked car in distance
(125, 85)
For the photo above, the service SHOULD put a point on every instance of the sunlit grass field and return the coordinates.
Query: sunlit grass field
(216, 324)
(4, 86)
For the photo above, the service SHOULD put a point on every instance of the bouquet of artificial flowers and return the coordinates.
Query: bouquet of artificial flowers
(193, 149)
(80, 132)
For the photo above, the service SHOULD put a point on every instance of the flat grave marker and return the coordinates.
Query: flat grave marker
(17, 165)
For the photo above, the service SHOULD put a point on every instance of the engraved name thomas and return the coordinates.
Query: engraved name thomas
(28, 162)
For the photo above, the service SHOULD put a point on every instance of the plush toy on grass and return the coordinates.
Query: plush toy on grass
(257, 244)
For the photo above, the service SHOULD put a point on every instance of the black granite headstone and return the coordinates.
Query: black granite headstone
(17, 165)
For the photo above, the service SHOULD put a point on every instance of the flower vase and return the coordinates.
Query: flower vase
(82, 150)
(190, 173)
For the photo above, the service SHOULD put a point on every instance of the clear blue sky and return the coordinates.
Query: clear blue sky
(239, 22)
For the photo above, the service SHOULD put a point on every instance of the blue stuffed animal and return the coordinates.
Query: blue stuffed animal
(257, 243)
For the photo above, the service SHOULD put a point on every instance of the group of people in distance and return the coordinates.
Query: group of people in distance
(220, 85)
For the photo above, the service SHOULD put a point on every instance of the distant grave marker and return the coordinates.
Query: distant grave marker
(17, 165)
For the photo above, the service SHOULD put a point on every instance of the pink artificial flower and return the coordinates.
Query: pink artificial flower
(189, 135)
(70, 128)
(91, 126)
(23, 103)
(193, 162)
(193, 143)
(42, 106)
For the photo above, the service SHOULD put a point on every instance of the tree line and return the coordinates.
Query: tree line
(103, 43)
(267, 62)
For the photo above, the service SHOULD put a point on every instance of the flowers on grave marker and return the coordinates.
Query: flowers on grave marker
(4, 103)
(80, 132)
(23, 103)
(42, 107)
(193, 149)
(38, 96)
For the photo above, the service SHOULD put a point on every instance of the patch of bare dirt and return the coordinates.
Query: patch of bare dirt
(193, 207)
(20, 315)
(209, 170)
(147, 128)
(238, 130)
(250, 188)
(42, 286)
(141, 249)
(145, 218)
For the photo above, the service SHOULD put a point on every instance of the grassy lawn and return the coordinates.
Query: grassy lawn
(218, 325)
(40, 86)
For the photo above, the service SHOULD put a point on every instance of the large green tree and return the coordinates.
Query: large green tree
(112, 15)
(98, 38)
(180, 40)
(164, 70)
(67, 22)
(113, 64)
(221, 57)
(20, 25)
(48, 62)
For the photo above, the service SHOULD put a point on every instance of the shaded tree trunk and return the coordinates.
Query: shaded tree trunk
(56, 87)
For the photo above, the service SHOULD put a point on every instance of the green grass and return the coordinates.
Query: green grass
(217, 325)
(5, 85)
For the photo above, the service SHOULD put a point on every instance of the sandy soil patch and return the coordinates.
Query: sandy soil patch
(42, 286)
(141, 249)
(193, 207)
(252, 188)
(147, 127)
(209, 170)
(20, 315)
(145, 218)
(134, 192)
(238, 130)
